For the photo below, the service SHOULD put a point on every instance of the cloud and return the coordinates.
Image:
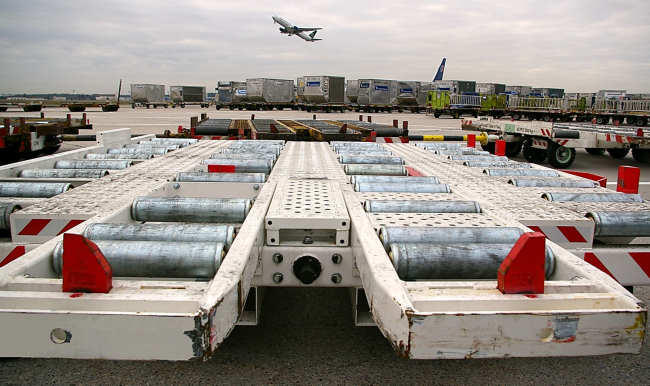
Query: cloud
(88, 46)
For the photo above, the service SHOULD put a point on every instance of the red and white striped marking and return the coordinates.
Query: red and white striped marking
(39, 230)
(617, 138)
(562, 142)
(392, 139)
(628, 267)
(10, 252)
(540, 144)
(566, 236)
(547, 132)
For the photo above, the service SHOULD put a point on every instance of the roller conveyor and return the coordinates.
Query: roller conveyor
(308, 227)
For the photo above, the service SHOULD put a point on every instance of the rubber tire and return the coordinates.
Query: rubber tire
(51, 149)
(618, 153)
(641, 121)
(513, 149)
(547, 117)
(531, 154)
(516, 116)
(436, 115)
(560, 157)
(641, 155)
(455, 115)
(490, 147)
(602, 120)
(594, 151)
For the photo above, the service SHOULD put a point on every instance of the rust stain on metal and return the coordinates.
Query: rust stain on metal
(638, 327)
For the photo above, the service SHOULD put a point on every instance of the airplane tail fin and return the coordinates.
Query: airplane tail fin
(311, 35)
(441, 69)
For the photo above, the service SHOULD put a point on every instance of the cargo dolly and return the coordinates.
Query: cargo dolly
(370, 217)
(558, 141)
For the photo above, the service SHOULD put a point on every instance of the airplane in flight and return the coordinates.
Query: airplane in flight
(293, 30)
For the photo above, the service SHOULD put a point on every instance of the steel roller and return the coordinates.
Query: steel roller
(335, 144)
(188, 140)
(93, 164)
(243, 165)
(421, 206)
(454, 261)
(617, 224)
(437, 146)
(270, 156)
(394, 179)
(390, 131)
(148, 150)
(592, 197)
(190, 209)
(118, 156)
(211, 130)
(462, 151)
(275, 151)
(62, 173)
(365, 169)
(551, 183)
(155, 258)
(153, 145)
(371, 159)
(401, 188)
(221, 177)
(483, 164)
(521, 172)
(33, 189)
(491, 158)
(182, 233)
(6, 209)
(364, 151)
(164, 143)
(449, 235)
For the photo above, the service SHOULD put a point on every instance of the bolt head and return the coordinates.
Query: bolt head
(256, 187)
(277, 278)
(337, 258)
(176, 186)
(277, 258)
(336, 278)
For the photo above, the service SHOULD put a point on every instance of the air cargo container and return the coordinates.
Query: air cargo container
(491, 88)
(230, 94)
(377, 95)
(184, 95)
(518, 90)
(548, 92)
(352, 90)
(412, 95)
(148, 95)
(455, 86)
(321, 93)
(611, 94)
(264, 93)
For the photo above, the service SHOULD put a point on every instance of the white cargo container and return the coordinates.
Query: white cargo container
(377, 92)
(321, 89)
(148, 95)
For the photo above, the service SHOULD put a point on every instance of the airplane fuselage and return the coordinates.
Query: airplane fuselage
(289, 29)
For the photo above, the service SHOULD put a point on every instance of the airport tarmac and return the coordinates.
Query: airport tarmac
(307, 335)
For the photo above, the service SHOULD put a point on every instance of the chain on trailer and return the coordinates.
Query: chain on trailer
(427, 247)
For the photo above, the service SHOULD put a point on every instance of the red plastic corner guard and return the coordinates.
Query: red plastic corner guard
(523, 270)
(602, 181)
(221, 168)
(85, 268)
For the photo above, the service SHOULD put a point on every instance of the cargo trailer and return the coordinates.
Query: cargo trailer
(412, 95)
(188, 95)
(325, 93)
(148, 95)
(266, 94)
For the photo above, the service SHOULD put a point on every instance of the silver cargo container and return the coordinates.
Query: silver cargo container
(519, 90)
(413, 93)
(610, 94)
(321, 89)
(455, 86)
(270, 90)
(231, 92)
(352, 90)
(187, 94)
(377, 92)
(147, 93)
(491, 88)
(548, 92)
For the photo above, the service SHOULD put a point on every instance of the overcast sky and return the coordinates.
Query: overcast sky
(87, 46)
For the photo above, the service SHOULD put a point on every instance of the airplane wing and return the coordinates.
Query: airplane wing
(307, 29)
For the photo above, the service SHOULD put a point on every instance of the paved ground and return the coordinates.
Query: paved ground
(306, 335)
